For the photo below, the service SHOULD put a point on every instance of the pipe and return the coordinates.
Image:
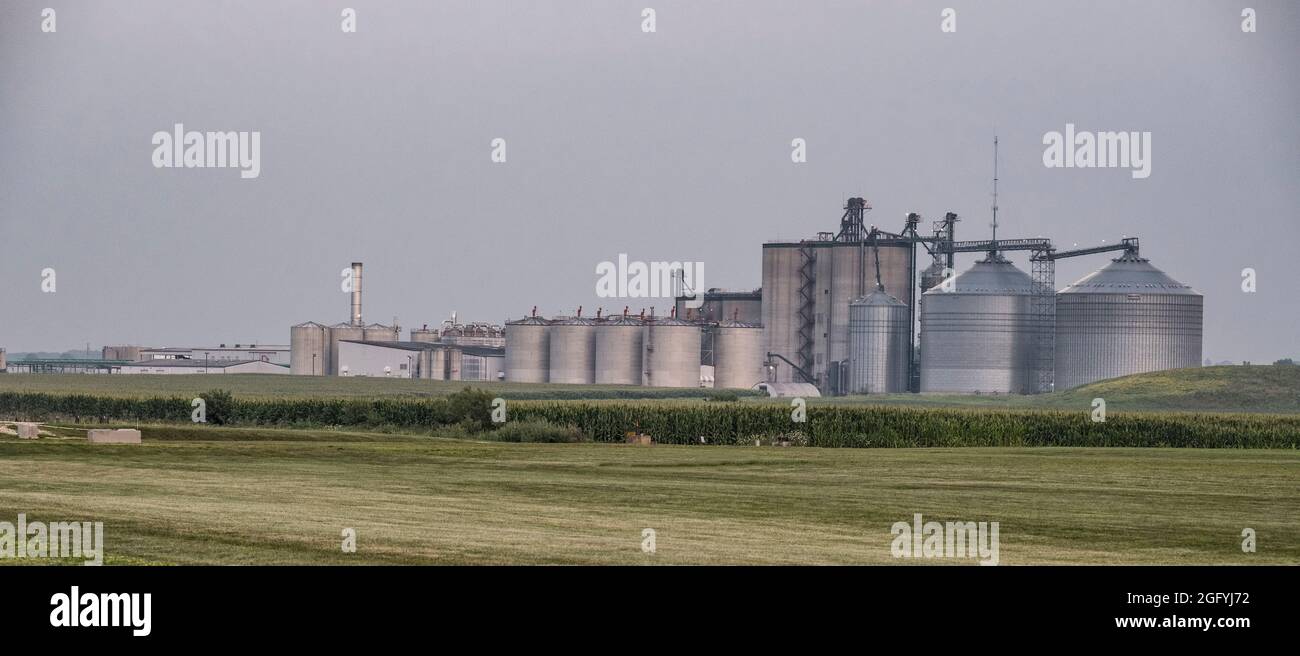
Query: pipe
(356, 294)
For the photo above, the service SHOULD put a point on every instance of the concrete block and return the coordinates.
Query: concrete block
(28, 430)
(114, 436)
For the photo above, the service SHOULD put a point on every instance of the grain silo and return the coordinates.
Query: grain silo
(670, 353)
(337, 333)
(528, 350)
(378, 332)
(879, 332)
(808, 285)
(573, 351)
(1127, 317)
(618, 351)
(978, 332)
(309, 349)
(738, 355)
(425, 334)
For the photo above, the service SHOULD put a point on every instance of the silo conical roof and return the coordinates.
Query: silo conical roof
(992, 275)
(878, 297)
(1129, 274)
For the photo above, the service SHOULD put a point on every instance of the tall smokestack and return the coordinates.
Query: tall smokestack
(356, 294)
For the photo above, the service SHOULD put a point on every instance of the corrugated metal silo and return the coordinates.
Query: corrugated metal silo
(618, 351)
(980, 337)
(738, 355)
(878, 338)
(670, 353)
(308, 349)
(1127, 317)
(339, 332)
(528, 350)
(573, 351)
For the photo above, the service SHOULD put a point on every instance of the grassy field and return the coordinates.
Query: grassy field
(216, 495)
(1265, 388)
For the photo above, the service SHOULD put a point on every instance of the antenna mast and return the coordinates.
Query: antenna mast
(995, 192)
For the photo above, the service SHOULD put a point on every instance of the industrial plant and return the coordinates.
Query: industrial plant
(843, 312)
(454, 351)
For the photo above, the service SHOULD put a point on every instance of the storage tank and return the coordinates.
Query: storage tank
(823, 276)
(618, 351)
(738, 355)
(528, 350)
(573, 351)
(979, 337)
(308, 349)
(378, 332)
(339, 332)
(1126, 318)
(425, 334)
(670, 353)
(879, 332)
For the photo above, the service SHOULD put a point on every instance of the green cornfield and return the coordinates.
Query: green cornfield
(684, 422)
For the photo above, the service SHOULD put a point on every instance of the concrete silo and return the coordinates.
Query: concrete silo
(309, 349)
(978, 332)
(738, 355)
(573, 351)
(1127, 317)
(528, 350)
(378, 332)
(337, 333)
(425, 334)
(879, 332)
(807, 288)
(670, 353)
(618, 351)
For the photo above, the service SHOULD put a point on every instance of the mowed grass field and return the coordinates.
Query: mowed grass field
(253, 496)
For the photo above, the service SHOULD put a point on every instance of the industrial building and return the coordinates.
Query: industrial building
(853, 311)
(186, 366)
(273, 353)
(452, 351)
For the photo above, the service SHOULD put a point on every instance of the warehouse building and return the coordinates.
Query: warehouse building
(180, 366)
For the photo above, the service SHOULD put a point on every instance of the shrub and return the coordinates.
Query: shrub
(536, 430)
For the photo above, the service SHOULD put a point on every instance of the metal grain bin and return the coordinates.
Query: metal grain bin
(879, 332)
(1127, 317)
(573, 351)
(618, 351)
(528, 350)
(339, 332)
(980, 336)
(308, 349)
(670, 353)
(738, 355)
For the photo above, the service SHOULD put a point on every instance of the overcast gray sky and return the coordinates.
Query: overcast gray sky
(666, 146)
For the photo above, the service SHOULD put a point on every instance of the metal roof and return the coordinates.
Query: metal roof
(192, 364)
(993, 275)
(483, 351)
(877, 298)
(1129, 274)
